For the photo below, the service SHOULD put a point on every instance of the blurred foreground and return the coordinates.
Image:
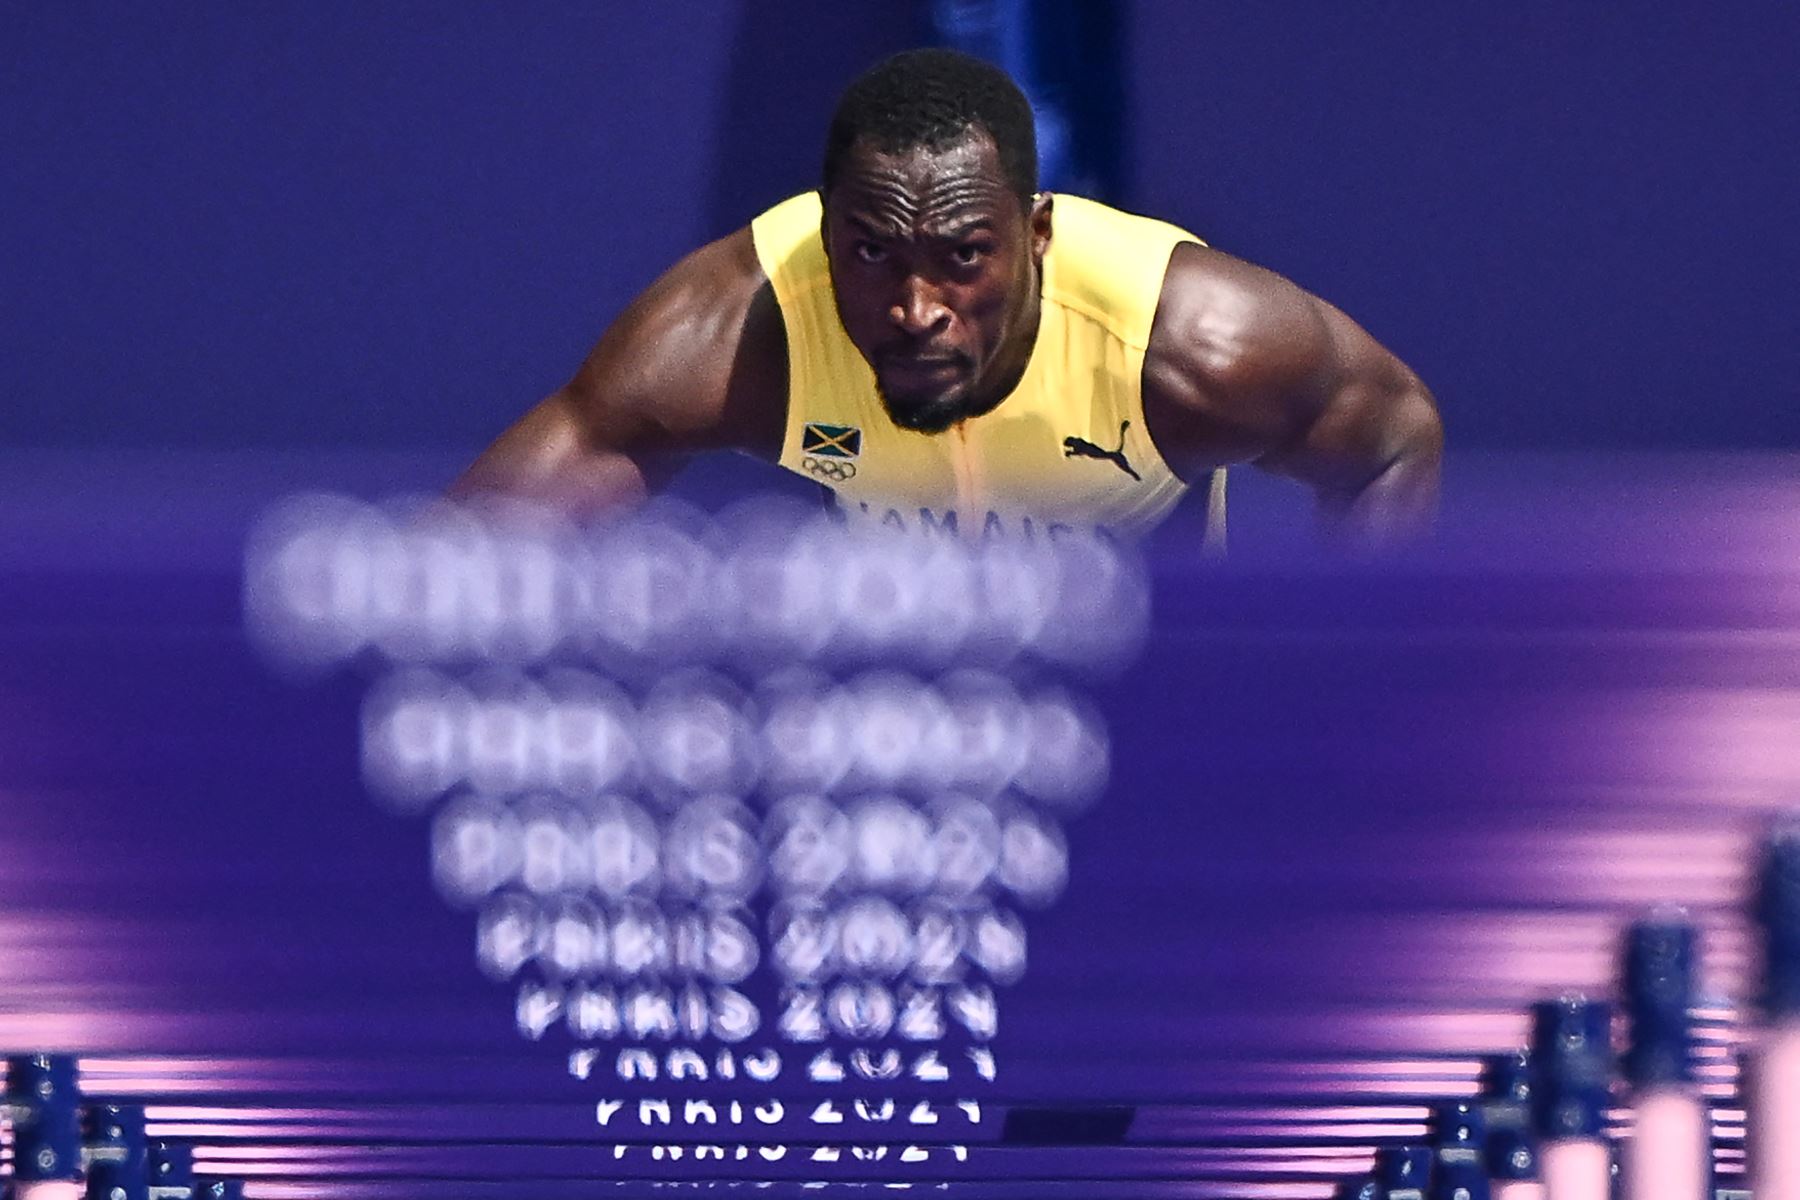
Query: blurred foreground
(1359, 819)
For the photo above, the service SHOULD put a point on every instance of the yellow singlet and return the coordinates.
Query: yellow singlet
(1068, 446)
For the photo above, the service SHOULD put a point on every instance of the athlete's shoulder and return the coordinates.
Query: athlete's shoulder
(679, 316)
(699, 357)
(1108, 264)
(1232, 322)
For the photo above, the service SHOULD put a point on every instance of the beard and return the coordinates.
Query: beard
(927, 414)
(933, 411)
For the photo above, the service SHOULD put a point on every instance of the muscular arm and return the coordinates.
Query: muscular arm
(698, 362)
(1243, 366)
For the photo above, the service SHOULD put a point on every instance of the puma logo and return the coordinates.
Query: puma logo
(1074, 447)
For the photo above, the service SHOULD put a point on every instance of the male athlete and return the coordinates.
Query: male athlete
(945, 347)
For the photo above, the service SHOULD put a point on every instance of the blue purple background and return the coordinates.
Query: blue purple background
(398, 224)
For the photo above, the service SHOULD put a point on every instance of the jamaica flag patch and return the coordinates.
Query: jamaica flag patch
(831, 441)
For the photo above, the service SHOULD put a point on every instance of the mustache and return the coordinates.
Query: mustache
(914, 355)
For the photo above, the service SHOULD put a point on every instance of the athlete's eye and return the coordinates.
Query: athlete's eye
(869, 252)
(970, 253)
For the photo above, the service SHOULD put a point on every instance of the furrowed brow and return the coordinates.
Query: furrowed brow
(956, 230)
(870, 230)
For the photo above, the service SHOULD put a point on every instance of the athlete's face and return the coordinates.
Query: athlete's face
(935, 266)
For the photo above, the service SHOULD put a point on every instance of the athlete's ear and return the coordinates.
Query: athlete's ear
(1039, 221)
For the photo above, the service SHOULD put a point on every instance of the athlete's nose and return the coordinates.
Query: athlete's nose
(919, 312)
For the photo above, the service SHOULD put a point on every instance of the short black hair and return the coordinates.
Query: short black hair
(933, 98)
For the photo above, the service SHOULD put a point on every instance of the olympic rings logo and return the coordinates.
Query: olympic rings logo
(834, 469)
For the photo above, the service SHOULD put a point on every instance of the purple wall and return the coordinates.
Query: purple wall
(397, 224)
(1569, 218)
